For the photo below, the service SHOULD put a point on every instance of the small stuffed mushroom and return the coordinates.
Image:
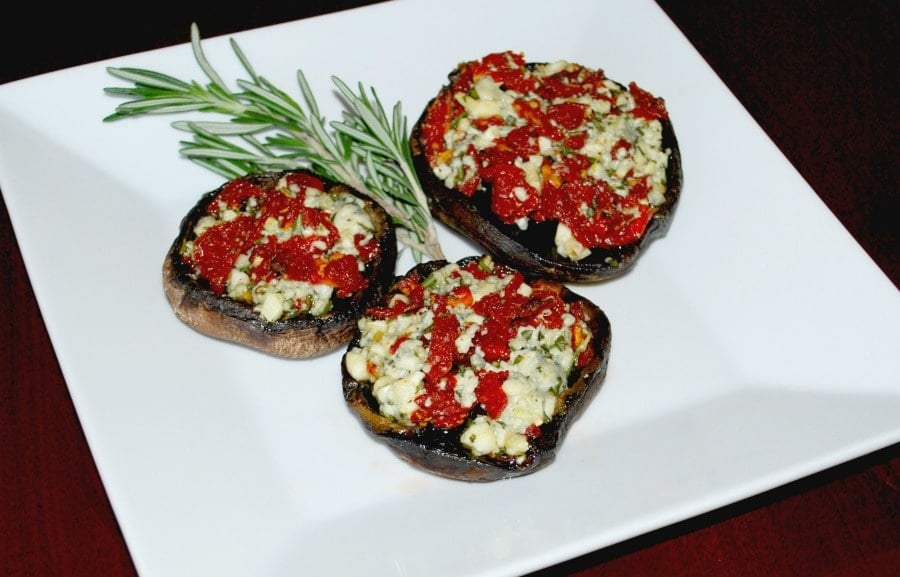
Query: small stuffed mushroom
(282, 262)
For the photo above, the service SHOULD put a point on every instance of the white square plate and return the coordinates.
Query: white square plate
(740, 361)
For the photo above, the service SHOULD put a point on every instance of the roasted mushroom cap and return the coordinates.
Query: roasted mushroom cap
(533, 249)
(303, 336)
(440, 451)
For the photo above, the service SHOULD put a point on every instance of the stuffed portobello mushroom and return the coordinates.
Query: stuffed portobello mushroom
(474, 371)
(282, 262)
(550, 167)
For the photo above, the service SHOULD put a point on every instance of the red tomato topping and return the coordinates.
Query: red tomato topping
(396, 346)
(511, 197)
(343, 273)
(303, 181)
(460, 295)
(366, 246)
(478, 271)
(544, 308)
(506, 68)
(216, 250)
(296, 258)
(578, 337)
(484, 123)
(442, 347)
(596, 215)
(568, 115)
(440, 115)
(520, 141)
(489, 391)
(411, 288)
(575, 141)
(234, 193)
(439, 405)
(572, 82)
(622, 144)
(493, 339)
(646, 105)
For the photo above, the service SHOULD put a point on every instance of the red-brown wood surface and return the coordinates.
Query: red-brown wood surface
(820, 78)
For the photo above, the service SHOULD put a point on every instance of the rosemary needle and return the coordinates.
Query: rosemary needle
(269, 130)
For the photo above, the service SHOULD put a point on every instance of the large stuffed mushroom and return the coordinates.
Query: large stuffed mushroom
(473, 370)
(551, 167)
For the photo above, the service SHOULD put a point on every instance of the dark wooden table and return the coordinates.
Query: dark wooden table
(820, 78)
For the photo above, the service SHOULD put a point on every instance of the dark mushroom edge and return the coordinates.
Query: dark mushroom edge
(303, 336)
(440, 451)
(533, 248)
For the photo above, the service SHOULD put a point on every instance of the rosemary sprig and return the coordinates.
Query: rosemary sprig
(269, 130)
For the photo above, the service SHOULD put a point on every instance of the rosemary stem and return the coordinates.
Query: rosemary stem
(269, 130)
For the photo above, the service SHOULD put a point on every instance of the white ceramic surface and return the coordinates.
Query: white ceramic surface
(740, 361)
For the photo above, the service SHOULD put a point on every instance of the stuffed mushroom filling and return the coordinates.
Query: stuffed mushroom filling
(287, 250)
(472, 347)
(554, 142)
